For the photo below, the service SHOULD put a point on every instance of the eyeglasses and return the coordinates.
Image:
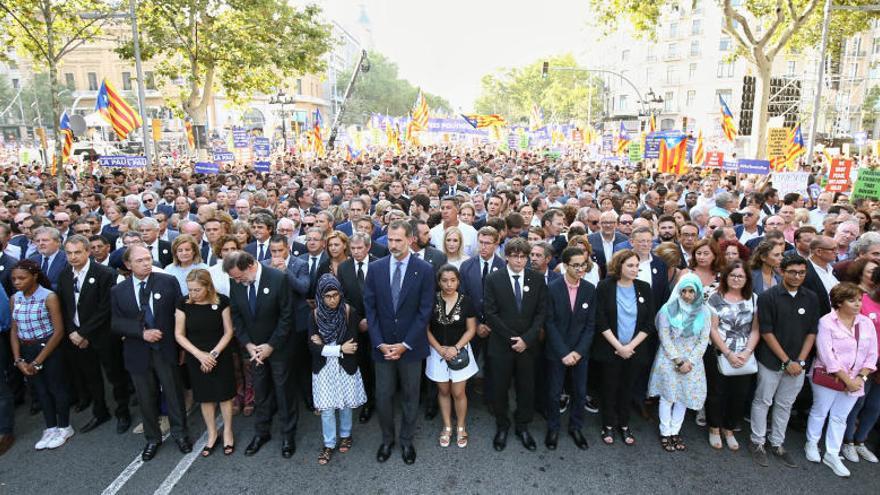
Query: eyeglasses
(796, 273)
(737, 277)
(625, 222)
(308, 224)
(148, 200)
(578, 266)
(61, 222)
(518, 256)
(592, 222)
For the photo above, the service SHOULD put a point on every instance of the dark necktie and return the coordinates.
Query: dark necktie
(395, 284)
(45, 266)
(76, 284)
(313, 268)
(252, 297)
(360, 274)
(260, 255)
(485, 270)
(144, 296)
(517, 292)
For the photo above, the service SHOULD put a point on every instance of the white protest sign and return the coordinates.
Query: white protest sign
(787, 182)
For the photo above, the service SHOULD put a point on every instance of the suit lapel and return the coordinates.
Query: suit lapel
(412, 272)
(262, 289)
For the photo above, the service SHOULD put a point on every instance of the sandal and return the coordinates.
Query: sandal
(730, 439)
(666, 443)
(228, 449)
(678, 443)
(208, 450)
(608, 435)
(462, 438)
(324, 455)
(715, 439)
(627, 436)
(344, 444)
(445, 436)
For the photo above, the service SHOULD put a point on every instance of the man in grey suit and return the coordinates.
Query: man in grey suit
(421, 245)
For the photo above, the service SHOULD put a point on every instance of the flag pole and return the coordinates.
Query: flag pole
(140, 80)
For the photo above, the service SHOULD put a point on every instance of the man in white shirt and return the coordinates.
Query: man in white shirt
(817, 215)
(449, 213)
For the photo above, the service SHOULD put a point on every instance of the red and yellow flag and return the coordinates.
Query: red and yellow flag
(116, 110)
(673, 154)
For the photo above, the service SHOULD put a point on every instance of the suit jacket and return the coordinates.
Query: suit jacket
(346, 228)
(408, 323)
(297, 273)
(569, 329)
(127, 320)
(349, 362)
(758, 281)
(168, 210)
(606, 319)
(351, 289)
(595, 241)
(499, 305)
(472, 281)
(814, 283)
(298, 248)
(753, 243)
(659, 282)
(550, 276)
(171, 234)
(6, 264)
(378, 250)
(313, 279)
(94, 292)
(58, 265)
(444, 189)
(739, 229)
(252, 249)
(165, 257)
(435, 257)
(272, 322)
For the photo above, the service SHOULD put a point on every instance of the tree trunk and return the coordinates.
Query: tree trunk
(56, 126)
(196, 105)
(762, 102)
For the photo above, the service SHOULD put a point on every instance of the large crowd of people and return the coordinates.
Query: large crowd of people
(441, 277)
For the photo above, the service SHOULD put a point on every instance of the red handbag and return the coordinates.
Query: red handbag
(822, 378)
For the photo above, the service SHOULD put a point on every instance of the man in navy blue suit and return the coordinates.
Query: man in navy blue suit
(398, 299)
(539, 260)
(603, 242)
(49, 255)
(263, 226)
(569, 330)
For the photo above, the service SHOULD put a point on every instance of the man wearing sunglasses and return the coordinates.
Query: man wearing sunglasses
(749, 229)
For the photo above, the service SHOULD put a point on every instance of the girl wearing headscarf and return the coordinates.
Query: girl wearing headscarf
(678, 376)
(336, 381)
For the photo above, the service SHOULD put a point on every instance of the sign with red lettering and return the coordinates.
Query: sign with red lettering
(714, 159)
(838, 176)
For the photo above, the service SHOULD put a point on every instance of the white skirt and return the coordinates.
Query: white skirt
(438, 370)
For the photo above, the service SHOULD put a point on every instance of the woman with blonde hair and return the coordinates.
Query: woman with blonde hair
(187, 257)
(337, 252)
(203, 328)
(453, 247)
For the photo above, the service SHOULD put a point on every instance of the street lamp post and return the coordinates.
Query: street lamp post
(283, 99)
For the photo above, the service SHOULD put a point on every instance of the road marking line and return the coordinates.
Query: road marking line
(185, 463)
(127, 473)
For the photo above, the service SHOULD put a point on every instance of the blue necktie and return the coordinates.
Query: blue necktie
(517, 292)
(144, 296)
(395, 284)
(260, 255)
(45, 267)
(252, 297)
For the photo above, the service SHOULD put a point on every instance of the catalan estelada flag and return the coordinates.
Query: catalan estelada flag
(67, 137)
(727, 124)
(536, 118)
(478, 121)
(652, 123)
(419, 114)
(190, 137)
(348, 156)
(316, 134)
(673, 154)
(118, 113)
(699, 153)
(795, 147)
(622, 139)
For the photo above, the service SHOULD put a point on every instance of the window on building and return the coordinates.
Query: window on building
(856, 45)
(299, 86)
(672, 50)
(93, 81)
(695, 48)
(725, 69)
(16, 83)
(649, 75)
(672, 75)
(724, 44)
(726, 94)
(69, 81)
(696, 27)
(692, 71)
(150, 80)
(691, 97)
(669, 101)
(792, 68)
(855, 70)
(624, 55)
(622, 103)
(698, 8)
(673, 30)
(126, 81)
(875, 46)
(650, 56)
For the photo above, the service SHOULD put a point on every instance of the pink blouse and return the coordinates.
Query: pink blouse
(871, 309)
(836, 347)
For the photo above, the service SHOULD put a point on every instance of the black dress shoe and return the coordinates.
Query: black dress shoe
(94, 423)
(366, 414)
(82, 406)
(150, 451)
(257, 442)
(431, 412)
(384, 452)
(123, 423)
(409, 454)
(552, 439)
(288, 448)
(526, 438)
(500, 441)
(184, 445)
(579, 439)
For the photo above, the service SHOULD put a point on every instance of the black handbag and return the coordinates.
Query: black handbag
(460, 361)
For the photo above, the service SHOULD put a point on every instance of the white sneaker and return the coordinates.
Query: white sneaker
(701, 418)
(60, 437)
(48, 433)
(865, 453)
(849, 452)
(836, 465)
(811, 449)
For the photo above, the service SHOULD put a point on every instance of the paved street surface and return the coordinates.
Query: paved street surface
(95, 462)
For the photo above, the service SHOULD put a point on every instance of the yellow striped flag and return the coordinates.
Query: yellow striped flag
(190, 137)
(652, 123)
(536, 118)
(478, 121)
(727, 124)
(67, 136)
(116, 111)
(622, 139)
(420, 114)
(673, 153)
(699, 155)
(795, 147)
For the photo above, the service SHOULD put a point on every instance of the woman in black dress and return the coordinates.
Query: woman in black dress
(204, 329)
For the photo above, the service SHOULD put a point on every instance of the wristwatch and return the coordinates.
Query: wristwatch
(786, 363)
(864, 378)
(37, 366)
(215, 354)
(802, 363)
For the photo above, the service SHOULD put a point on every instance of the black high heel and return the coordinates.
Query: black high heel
(206, 450)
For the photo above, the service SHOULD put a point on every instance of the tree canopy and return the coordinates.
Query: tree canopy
(381, 90)
(562, 96)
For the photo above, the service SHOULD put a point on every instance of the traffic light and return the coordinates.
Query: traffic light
(747, 106)
(545, 69)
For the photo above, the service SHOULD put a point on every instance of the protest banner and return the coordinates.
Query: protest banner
(714, 159)
(776, 137)
(788, 182)
(262, 166)
(207, 168)
(751, 166)
(223, 156)
(838, 175)
(240, 137)
(123, 161)
(867, 184)
(635, 152)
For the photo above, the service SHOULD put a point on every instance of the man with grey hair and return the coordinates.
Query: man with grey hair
(723, 201)
(865, 247)
(160, 250)
(151, 205)
(49, 255)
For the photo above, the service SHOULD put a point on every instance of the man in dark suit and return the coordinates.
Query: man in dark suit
(357, 207)
(452, 186)
(603, 242)
(651, 268)
(84, 290)
(352, 273)
(6, 264)
(315, 256)
(49, 255)
(515, 304)
(143, 308)
(569, 328)
(261, 314)
(823, 253)
(539, 260)
(160, 250)
(421, 245)
(398, 302)
(297, 272)
(262, 226)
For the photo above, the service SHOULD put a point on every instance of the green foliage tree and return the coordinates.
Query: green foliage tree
(241, 47)
(761, 30)
(381, 90)
(563, 96)
(871, 108)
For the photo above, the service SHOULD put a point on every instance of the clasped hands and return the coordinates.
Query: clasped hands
(259, 353)
(392, 352)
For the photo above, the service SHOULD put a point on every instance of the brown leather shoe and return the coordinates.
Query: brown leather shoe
(6, 442)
